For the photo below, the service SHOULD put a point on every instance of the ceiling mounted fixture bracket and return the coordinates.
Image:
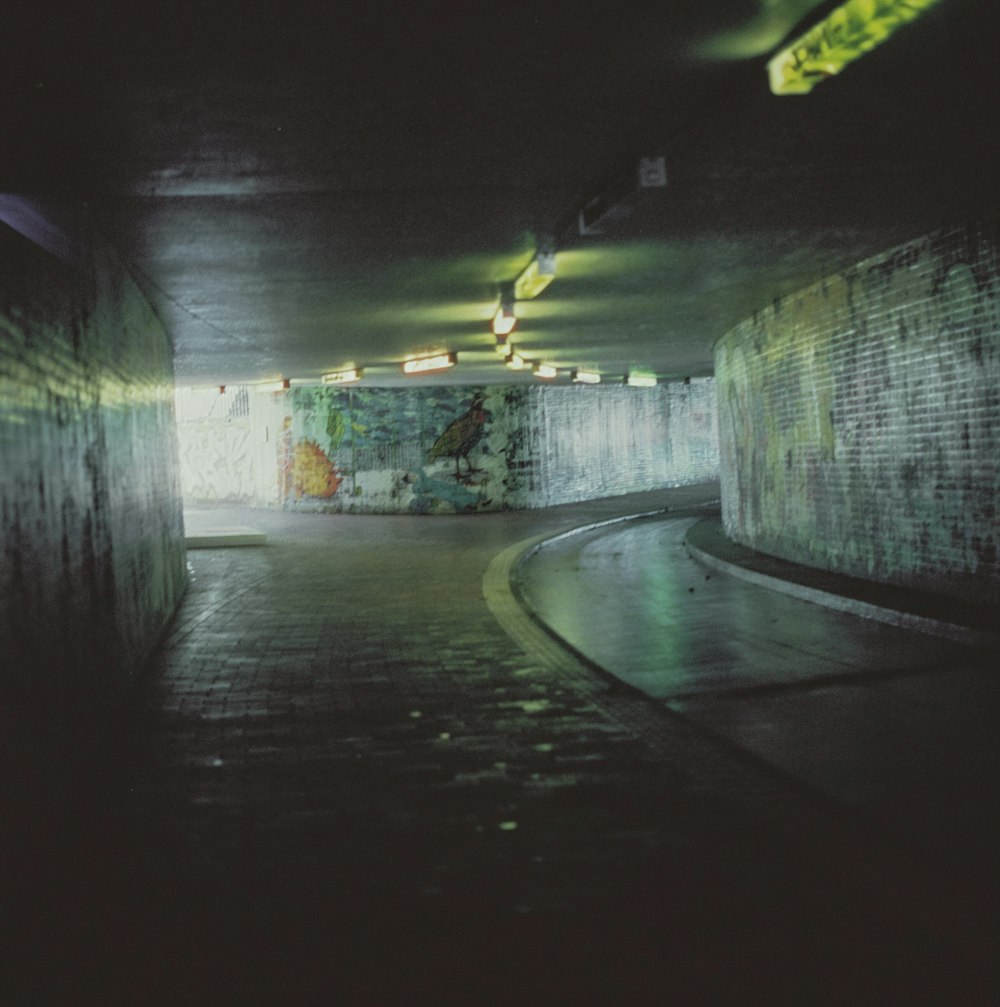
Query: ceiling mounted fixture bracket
(538, 274)
(619, 198)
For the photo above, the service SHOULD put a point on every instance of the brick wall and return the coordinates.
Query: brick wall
(381, 449)
(90, 521)
(860, 419)
(605, 441)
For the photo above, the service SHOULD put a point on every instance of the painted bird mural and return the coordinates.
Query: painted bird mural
(461, 436)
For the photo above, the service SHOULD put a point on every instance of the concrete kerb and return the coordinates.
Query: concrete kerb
(519, 622)
(844, 603)
(515, 614)
(518, 618)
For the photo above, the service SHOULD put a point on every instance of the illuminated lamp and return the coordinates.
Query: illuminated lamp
(845, 35)
(582, 377)
(537, 275)
(505, 321)
(273, 386)
(640, 380)
(515, 361)
(545, 371)
(426, 365)
(344, 377)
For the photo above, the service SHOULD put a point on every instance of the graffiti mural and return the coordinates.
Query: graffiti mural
(227, 446)
(216, 462)
(313, 474)
(460, 437)
(454, 449)
(859, 418)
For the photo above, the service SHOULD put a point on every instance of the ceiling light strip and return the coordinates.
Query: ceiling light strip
(427, 365)
(344, 377)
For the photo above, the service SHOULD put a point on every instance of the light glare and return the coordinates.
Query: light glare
(504, 321)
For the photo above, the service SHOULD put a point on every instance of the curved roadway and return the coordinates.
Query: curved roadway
(899, 725)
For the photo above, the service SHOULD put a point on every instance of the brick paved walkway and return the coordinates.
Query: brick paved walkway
(344, 782)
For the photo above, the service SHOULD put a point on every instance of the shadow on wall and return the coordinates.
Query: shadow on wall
(446, 449)
(92, 535)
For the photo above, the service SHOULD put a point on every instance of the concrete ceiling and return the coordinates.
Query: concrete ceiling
(299, 188)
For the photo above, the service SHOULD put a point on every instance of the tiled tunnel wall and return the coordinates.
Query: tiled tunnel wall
(860, 419)
(398, 450)
(90, 513)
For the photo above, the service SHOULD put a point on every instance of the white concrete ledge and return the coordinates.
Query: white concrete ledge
(220, 538)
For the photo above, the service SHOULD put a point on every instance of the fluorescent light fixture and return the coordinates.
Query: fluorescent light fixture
(515, 361)
(501, 346)
(344, 377)
(545, 371)
(537, 275)
(845, 35)
(505, 321)
(273, 386)
(582, 377)
(424, 365)
(640, 380)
